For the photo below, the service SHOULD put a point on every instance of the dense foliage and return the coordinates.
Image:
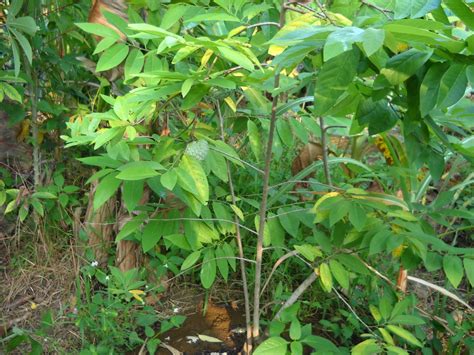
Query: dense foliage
(214, 103)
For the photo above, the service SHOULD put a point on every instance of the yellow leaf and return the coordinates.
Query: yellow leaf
(228, 100)
(274, 50)
(236, 31)
(24, 130)
(136, 294)
(205, 58)
(401, 47)
(397, 252)
(325, 197)
(33, 305)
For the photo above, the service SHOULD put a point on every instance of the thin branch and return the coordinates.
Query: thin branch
(264, 24)
(297, 293)
(275, 266)
(323, 10)
(327, 172)
(248, 323)
(378, 8)
(353, 311)
(263, 204)
(260, 171)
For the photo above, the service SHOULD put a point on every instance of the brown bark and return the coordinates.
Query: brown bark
(99, 226)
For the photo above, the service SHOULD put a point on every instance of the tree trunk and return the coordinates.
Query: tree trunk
(99, 226)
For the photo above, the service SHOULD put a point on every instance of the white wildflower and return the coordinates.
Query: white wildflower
(94, 263)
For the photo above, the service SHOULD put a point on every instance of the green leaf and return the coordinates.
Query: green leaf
(310, 252)
(238, 212)
(98, 30)
(105, 190)
(222, 263)
(375, 313)
(172, 15)
(372, 40)
(169, 179)
(24, 44)
(296, 348)
(229, 253)
(272, 346)
(178, 240)
(104, 44)
(404, 334)
(154, 31)
(194, 96)
(236, 57)
(353, 263)
(193, 168)
(24, 24)
(134, 63)
(452, 85)
(112, 57)
(132, 194)
(107, 135)
(357, 216)
(213, 16)
(461, 9)
(44, 195)
(190, 260)
(289, 221)
(333, 80)
(129, 228)
(400, 67)
(414, 8)
(151, 235)
(429, 88)
(322, 345)
(340, 273)
(406, 319)
(266, 232)
(138, 170)
(295, 329)
(187, 85)
(222, 213)
(325, 277)
(367, 347)
(217, 164)
(469, 268)
(284, 131)
(453, 269)
(208, 269)
(38, 207)
(15, 7)
(341, 41)
(255, 139)
(11, 92)
(275, 231)
(16, 57)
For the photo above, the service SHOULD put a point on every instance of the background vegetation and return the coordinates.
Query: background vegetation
(314, 158)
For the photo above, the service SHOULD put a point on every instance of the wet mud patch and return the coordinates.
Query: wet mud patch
(202, 328)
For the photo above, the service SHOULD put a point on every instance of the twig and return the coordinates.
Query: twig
(378, 8)
(275, 266)
(327, 173)
(297, 293)
(323, 10)
(263, 204)
(353, 311)
(248, 347)
(264, 24)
